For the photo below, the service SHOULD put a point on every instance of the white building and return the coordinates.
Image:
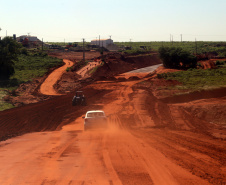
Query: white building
(102, 42)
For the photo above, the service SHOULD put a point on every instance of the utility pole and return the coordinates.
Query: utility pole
(0, 36)
(110, 37)
(42, 44)
(181, 37)
(6, 33)
(172, 39)
(83, 50)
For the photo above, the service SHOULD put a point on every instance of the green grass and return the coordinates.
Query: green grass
(29, 67)
(32, 65)
(93, 70)
(196, 79)
(219, 47)
(4, 105)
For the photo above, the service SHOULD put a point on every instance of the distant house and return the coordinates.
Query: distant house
(30, 38)
(29, 41)
(102, 42)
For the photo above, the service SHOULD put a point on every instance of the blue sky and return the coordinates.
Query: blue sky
(143, 20)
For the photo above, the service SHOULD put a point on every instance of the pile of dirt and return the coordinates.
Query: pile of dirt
(121, 64)
(162, 69)
(208, 64)
(160, 88)
(68, 82)
(26, 93)
(212, 111)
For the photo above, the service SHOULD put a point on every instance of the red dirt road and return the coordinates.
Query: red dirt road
(47, 86)
(148, 142)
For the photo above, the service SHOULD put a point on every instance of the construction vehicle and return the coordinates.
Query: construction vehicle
(79, 99)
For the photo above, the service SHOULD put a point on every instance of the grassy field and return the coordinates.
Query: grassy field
(193, 47)
(219, 47)
(27, 68)
(196, 79)
(33, 66)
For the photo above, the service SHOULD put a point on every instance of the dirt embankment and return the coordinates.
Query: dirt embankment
(115, 63)
(121, 64)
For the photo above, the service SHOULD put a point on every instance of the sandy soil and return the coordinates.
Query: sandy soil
(149, 141)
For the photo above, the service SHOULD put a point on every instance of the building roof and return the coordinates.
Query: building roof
(27, 36)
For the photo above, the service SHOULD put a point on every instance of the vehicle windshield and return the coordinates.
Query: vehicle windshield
(95, 114)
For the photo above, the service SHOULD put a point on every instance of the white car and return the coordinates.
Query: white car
(95, 119)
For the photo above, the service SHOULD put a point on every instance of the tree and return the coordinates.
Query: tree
(9, 50)
(177, 58)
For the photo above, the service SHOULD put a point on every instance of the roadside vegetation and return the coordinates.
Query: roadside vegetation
(196, 79)
(4, 105)
(19, 65)
(34, 64)
(198, 47)
(177, 58)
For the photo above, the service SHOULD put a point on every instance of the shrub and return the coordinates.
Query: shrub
(69, 69)
(177, 58)
(219, 63)
(24, 51)
(9, 50)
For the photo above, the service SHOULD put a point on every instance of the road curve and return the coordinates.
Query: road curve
(47, 86)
